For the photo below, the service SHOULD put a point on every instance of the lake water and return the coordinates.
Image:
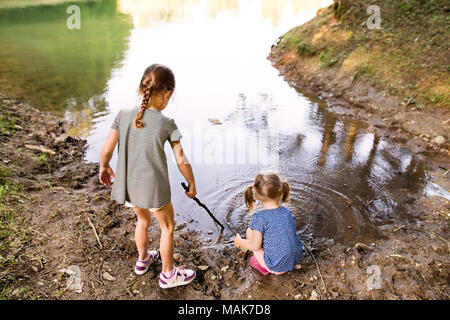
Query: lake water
(345, 182)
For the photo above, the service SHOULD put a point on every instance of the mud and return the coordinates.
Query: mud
(59, 195)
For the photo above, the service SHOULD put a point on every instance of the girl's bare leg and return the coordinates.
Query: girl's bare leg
(141, 232)
(165, 216)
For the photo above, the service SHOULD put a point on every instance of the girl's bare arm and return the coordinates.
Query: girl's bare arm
(185, 167)
(253, 241)
(105, 156)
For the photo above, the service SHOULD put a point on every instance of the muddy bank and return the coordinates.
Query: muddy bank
(56, 216)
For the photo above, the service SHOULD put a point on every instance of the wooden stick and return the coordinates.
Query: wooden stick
(318, 268)
(40, 148)
(95, 232)
(185, 187)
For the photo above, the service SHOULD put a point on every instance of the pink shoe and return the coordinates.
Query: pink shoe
(255, 264)
(143, 265)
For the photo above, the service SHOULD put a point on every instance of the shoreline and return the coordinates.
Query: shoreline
(61, 216)
(377, 76)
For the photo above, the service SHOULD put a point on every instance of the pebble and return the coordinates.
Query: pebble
(314, 295)
(108, 277)
(298, 296)
(215, 121)
(16, 292)
(439, 140)
(362, 246)
(203, 268)
(178, 257)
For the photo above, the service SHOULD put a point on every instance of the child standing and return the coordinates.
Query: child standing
(271, 235)
(141, 180)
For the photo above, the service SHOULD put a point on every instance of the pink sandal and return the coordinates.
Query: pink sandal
(255, 264)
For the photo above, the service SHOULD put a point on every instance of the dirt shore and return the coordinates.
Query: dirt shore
(56, 215)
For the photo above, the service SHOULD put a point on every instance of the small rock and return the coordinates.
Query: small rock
(215, 121)
(203, 268)
(439, 140)
(363, 247)
(108, 277)
(224, 269)
(16, 292)
(178, 257)
(298, 296)
(61, 138)
(180, 226)
(210, 232)
(298, 266)
(314, 295)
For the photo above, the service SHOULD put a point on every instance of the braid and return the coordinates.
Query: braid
(147, 87)
(156, 79)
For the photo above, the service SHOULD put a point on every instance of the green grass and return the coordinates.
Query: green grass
(6, 126)
(411, 46)
(326, 59)
(12, 235)
(306, 50)
(43, 157)
(5, 172)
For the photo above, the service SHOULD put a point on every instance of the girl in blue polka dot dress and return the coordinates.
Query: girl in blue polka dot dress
(271, 236)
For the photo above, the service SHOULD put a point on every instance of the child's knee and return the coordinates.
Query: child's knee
(168, 226)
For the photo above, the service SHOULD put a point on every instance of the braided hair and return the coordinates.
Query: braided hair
(156, 79)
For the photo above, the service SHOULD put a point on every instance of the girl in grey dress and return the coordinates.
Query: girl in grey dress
(141, 179)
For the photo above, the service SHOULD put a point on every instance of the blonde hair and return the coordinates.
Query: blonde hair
(268, 185)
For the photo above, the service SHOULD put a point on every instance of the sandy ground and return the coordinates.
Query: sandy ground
(64, 219)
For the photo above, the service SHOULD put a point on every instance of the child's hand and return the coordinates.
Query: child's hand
(192, 191)
(237, 240)
(106, 173)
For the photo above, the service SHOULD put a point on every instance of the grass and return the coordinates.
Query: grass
(407, 57)
(6, 126)
(8, 195)
(43, 157)
(327, 59)
(12, 233)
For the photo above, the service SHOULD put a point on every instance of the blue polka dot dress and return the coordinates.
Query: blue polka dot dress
(281, 244)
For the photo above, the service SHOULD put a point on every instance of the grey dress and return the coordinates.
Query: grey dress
(141, 175)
